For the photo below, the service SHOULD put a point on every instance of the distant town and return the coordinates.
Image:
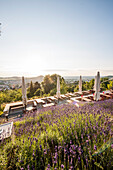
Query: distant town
(7, 83)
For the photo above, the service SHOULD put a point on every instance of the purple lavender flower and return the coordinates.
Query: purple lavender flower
(87, 141)
(28, 167)
(62, 166)
(95, 147)
(78, 158)
(48, 166)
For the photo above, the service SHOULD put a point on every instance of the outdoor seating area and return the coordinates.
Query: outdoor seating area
(25, 106)
(32, 105)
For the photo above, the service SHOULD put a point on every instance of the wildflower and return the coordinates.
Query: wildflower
(95, 147)
(87, 141)
(40, 146)
(48, 166)
(62, 166)
(100, 133)
(79, 159)
(28, 167)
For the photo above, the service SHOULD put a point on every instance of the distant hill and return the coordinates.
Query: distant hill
(109, 76)
(18, 80)
(34, 79)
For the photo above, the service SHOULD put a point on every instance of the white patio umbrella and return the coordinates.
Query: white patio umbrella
(80, 84)
(58, 87)
(97, 87)
(95, 83)
(24, 96)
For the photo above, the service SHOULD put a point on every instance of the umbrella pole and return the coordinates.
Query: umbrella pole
(25, 108)
(58, 100)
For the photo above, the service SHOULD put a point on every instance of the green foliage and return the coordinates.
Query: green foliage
(38, 92)
(53, 92)
(2, 106)
(88, 85)
(30, 90)
(12, 157)
(104, 83)
(76, 88)
(63, 87)
(91, 84)
(110, 85)
(49, 83)
(36, 86)
(34, 89)
(70, 88)
(10, 96)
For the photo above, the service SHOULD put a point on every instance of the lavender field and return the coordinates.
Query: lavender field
(62, 137)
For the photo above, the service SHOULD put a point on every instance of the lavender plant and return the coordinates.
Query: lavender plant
(62, 137)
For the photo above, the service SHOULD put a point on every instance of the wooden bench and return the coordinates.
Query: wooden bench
(106, 96)
(86, 99)
(49, 105)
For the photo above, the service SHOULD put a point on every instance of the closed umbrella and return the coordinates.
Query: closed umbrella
(97, 87)
(95, 83)
(80, 85)
(24, 96)
(58, 87)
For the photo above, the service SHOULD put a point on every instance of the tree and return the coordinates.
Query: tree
(54, 79)
(76, 88)
(47, 84)
(83, 85)
(91, 84)
(53, 92)
(63, 87)
(110, 85)
(30, 90)
(50, 82)
(104, 83)
(38, 92)
(36, 86)
(86, 85)
(70, 88)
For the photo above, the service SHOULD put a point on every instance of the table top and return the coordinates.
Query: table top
(50, 104)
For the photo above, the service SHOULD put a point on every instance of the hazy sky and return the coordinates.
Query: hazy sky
(69, 37)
